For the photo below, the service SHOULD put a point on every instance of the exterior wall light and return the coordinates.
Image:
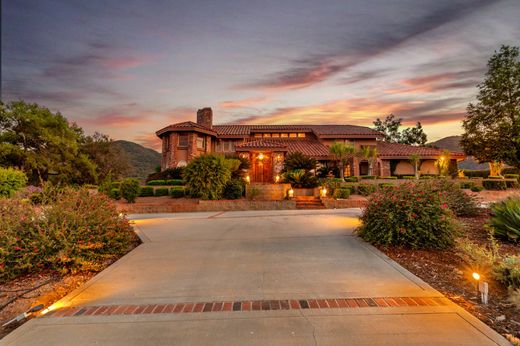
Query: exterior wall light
(476, 276)
(290, 193)
(260, 156)
(277, 179)
(248, 179)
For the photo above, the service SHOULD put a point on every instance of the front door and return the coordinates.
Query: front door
(262, 168)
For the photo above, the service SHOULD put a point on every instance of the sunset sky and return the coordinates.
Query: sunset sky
(128, 68)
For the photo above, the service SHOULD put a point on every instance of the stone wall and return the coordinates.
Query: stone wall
(351, 202)
(268, 192)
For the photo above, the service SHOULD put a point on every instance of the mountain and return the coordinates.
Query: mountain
(452, 143)
(143, 161)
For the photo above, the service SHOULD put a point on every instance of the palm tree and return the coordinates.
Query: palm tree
(415, 161)
(342, 153)
(368, 153)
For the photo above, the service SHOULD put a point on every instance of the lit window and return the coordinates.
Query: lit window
(258, 135)
(183, 140)
(284, 135)
(276, 135)
(301, 134)
(292, 135)
(267, 135)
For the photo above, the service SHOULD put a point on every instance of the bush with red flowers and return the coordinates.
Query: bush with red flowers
(411, 215)
(80, 231)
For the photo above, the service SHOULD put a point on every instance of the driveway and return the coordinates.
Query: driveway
(255, 278)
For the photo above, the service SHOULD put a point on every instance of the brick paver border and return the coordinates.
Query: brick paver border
(248, 305)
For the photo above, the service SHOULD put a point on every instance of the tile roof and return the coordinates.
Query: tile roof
(185, 126)
(387, 150)
(309, 147)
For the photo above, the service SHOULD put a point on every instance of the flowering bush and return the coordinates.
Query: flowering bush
(410, 215)
(79, 231)
(458, 201)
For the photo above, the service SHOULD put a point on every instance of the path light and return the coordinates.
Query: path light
(323, 192)
(476, 276)
(290, 193)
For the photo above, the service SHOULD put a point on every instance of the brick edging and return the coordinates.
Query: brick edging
(248, 305)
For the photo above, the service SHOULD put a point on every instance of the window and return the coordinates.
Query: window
(276, 135)
(292, 135)
(201, 142)
(301, 134)
(267, 135)
(183, 140)
(166, 142)
(229, 146)
(258, 135)
(284, 135)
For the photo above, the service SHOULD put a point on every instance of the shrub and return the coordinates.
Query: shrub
(512, 176)
(426, 177)
(146, 191)
(494, 184)
(174, 182)
(352, 179)
(467, 184)
(115, 194)
(157, 182)
(11, 180)
(116, 184)
(79, 231)
(296, 160)
(511, 183)
(368, 177)
(253, 192)
(234, 189)
(510, 271)
(480, 258)
(461, 203)
(505, 221)
(385, 185)
(129, 189)
(509, 170)
(177, 192)
(170, 173)
(477, 188)
(162, 191)
(206, 176)
(495, 177)
(365, 189)
(300, 178)
(408, 177)
(476, 173)
(342, 193)
(408, 215)
(389, 177)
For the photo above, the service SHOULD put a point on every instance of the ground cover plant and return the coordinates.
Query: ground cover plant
(505, 221)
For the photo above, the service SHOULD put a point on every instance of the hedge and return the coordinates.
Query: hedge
(467, 184)
(162, 191)
(168, 182)
(146, 191)
(368, 177)
(342, 193)
(494, 184)
(408, 177)
(177, 192)
(352, 179)
(366, 189)
(512, 176)
(476, 173)
(386, 185)
(389, 177)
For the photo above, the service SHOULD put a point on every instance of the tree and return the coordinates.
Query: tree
(390, 129)
(368, 153)
(342, 154)
(492, 124)
(415, 161)
(43, 144)
(109, 158)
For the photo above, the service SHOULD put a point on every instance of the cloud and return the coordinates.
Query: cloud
(363, 111)
(437, 82)
(149, 140)
(317, 68)
(248, 102)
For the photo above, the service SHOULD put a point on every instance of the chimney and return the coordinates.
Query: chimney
(205, 117)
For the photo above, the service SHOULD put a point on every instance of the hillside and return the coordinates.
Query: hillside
(143, 160)
(452, 143)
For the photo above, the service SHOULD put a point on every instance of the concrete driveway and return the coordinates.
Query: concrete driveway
(258, 277)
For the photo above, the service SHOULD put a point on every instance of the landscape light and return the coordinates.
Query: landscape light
(476, 276)
(323, 192)
(277, 178)
(248, 179)
(291, 193)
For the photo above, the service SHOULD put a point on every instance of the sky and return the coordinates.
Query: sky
(128, 68)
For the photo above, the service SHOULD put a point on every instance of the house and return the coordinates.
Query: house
(266, 146)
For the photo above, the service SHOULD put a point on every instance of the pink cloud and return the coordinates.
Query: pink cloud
(127, 62)
(248, 102)
(149, 140)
